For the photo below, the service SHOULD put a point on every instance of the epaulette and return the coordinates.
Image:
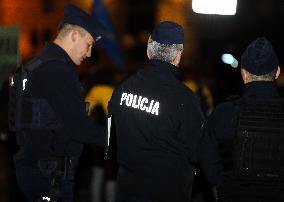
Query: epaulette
(40, 59)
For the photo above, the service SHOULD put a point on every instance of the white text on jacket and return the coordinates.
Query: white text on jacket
(140, 102)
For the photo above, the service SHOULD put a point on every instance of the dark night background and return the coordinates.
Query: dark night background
(208, 36)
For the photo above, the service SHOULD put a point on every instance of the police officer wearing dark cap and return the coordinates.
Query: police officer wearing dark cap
(157, 124)
(51, 121)
(242, 151)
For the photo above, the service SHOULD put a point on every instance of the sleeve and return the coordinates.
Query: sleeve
(191, 123)
(111, 130)
(65, 96)
(210, 160)
(218, 128)
(111, 103)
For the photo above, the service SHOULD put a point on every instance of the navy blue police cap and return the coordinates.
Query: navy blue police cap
(259, 58)
(76, 16)
(168, 32)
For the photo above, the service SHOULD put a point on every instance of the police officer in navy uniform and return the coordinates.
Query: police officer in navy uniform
(242, 147)
(52, 124)
(157, 124)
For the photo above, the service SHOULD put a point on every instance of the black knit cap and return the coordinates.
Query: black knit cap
(76, 16)
(168, 32)
(259, 58)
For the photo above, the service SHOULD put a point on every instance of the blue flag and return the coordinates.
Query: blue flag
(109, 42)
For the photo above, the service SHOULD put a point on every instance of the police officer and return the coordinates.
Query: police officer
(51, 122)
(157, 121)
(242, 147)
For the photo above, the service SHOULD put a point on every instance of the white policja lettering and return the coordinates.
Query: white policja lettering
(142, 103)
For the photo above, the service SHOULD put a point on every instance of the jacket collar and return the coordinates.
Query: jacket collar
(54, 50)
(165, 67)
(264, 89)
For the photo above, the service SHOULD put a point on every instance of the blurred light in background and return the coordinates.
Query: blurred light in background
(230, 60)
(235, 64)
(219, 7)
(227, 58)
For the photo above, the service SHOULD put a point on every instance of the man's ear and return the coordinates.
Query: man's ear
(277, 72)
(74, 35)
(148, 54)
(244, 75)
(177, 58)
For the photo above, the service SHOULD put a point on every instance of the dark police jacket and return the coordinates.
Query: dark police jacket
(218, 132)
(57, 83)
(157, 121)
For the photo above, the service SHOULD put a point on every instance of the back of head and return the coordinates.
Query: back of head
(259, 58)
(165, 42)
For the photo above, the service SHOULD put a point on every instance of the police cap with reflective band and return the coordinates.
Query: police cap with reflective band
(259, 58)
(168, 32)
(76, 16)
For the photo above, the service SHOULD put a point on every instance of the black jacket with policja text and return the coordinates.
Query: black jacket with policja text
(157, 125)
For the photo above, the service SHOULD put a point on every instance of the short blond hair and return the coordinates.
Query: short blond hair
(65, 28)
